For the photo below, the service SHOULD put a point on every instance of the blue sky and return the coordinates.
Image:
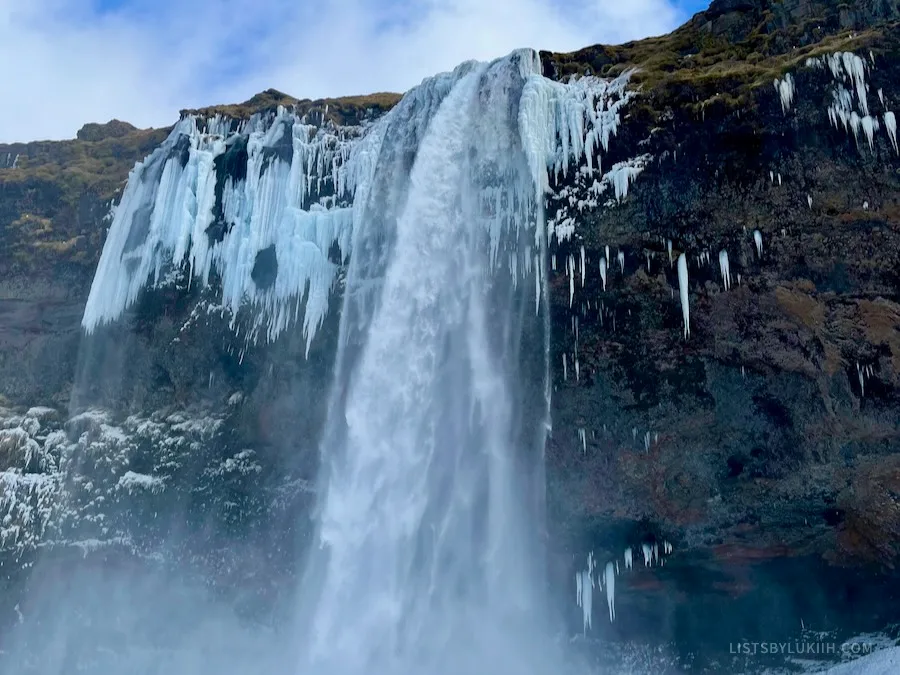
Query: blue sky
(143, 60)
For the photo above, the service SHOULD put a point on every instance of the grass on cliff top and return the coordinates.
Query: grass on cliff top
(341, 110)
(695, 61)
(75, 166)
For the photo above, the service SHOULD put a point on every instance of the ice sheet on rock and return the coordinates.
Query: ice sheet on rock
(286, 199)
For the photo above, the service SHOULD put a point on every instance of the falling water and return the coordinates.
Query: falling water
(428, 559)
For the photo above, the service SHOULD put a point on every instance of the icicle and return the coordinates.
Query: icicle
(570, 265)
(809, 200)
(683, 290)
(648, 555)
(723, 268)
(785, 89)
(629, 558)
(669, 249)
(890, 124)
(862, 383)
(577, 370)
(621, 258)
(647, 442)
(779, 180)
(667, 547)
(648, 261)
(609, 579)
(583, 437)
(757, 239)
(772, 177)
(583, 267)
(565, 369)
(603, 272)
(553, 262)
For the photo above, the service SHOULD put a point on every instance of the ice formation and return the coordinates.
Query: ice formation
(584, 588)
(216, 195)
(757, 240)
(583, 267)
(724, 269)
(683, 293)
(264, 203)
(785, 89)
(603, 272)
(621, 258)
(890, 124)
(609, 582)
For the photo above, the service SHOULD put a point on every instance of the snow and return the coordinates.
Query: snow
(683, 293)
(133, 482)
(882, 662)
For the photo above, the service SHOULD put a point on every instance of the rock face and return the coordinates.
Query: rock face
(761, 444)
(770, 433)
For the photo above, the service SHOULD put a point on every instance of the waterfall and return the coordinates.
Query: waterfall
(429, 559)
(427, 225)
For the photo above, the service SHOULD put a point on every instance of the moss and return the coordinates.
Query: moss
(342, 110)
(51, 203)
(696, 66)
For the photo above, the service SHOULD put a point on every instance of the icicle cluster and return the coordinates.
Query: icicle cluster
(785, 89)
(586, 580)
(265, 203)
(213, 197)
(850, 103)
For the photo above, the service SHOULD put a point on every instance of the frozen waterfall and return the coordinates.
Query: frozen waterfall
(428, 225)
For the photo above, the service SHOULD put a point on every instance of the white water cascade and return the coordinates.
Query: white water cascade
(429, 559)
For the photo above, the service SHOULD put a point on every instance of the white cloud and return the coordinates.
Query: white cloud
(64, 64)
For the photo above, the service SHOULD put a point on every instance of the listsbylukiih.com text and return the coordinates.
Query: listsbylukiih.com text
(801, 648)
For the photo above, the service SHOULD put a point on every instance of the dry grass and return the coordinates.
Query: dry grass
(341, 110)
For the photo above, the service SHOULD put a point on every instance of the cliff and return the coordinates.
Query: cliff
(762, 446)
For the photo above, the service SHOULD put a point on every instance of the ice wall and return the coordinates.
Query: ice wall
(266, 211)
